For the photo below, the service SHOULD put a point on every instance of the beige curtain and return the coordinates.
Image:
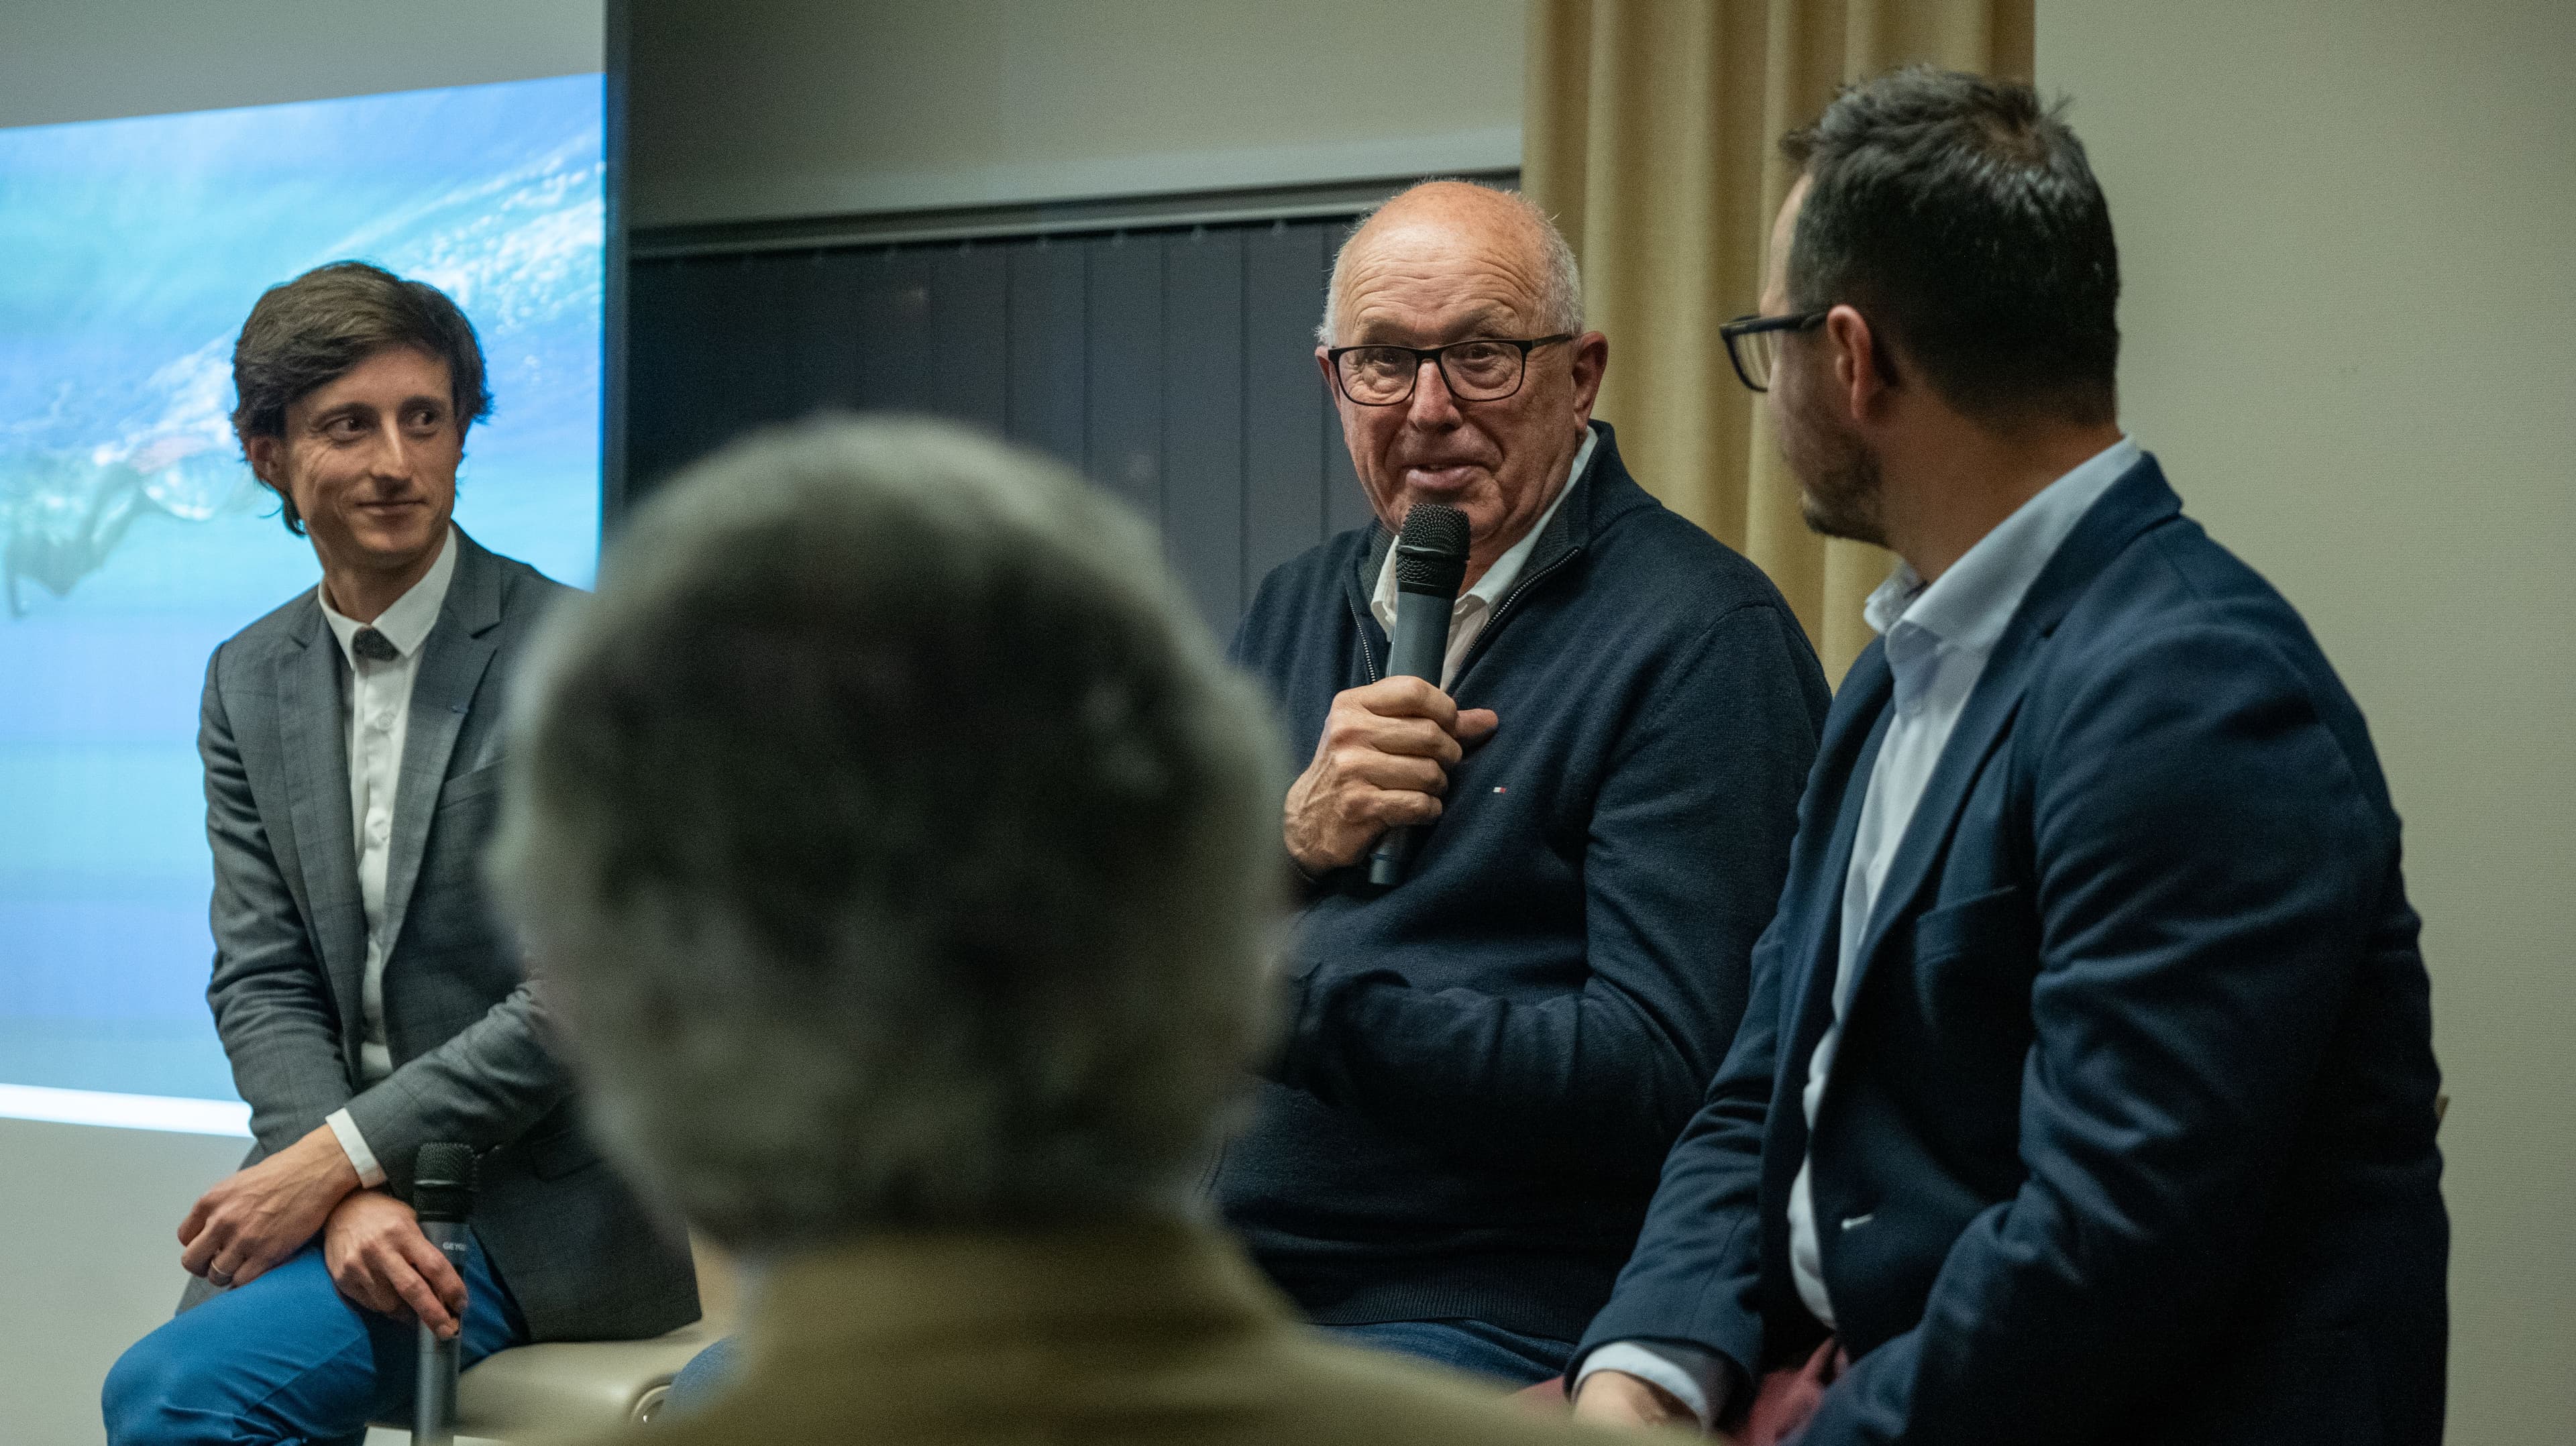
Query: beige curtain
(1651, 132)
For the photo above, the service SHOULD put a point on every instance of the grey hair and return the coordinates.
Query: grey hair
(894, 842)
(1560, 301)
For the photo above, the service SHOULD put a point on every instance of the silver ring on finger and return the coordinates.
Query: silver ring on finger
(220, 1279)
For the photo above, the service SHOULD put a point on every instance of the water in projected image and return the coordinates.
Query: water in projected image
(132, 536)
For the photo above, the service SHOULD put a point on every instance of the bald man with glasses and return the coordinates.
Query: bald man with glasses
(1484, 1064)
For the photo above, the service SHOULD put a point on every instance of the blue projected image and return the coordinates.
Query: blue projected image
(133, 538)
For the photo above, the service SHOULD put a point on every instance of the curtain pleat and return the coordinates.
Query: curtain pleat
(1651, 132)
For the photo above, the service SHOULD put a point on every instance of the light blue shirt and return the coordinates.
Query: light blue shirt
(1938, 638)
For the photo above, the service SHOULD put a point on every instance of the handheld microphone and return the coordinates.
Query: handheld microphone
(1430, 564)
(442, 1191)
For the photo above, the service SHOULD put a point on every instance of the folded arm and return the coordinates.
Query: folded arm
(484, 1087)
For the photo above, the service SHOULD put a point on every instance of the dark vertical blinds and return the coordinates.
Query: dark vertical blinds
(1175, 368)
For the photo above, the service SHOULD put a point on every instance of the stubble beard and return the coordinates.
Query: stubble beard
(1838, 479)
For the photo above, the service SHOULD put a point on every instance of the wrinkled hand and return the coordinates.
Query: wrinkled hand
(380, 1259)
(1383, 760)
(255, 1218)
(1615, 1398)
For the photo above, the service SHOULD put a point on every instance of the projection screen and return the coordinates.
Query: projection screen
(133, 538)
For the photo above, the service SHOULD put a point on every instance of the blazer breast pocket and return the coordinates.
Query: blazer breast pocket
(1974, 960)
(465, 786)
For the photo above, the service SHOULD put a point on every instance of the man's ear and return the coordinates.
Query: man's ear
(1862, 374)
(1591, 359)
(264, 453)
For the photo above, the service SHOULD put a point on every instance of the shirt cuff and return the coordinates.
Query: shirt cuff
(1696, 1378)
(354, 1145)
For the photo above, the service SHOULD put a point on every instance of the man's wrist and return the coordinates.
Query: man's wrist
(1692, 1381)
(365, 1172)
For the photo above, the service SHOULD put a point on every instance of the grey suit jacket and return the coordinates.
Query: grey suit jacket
(467, 1029)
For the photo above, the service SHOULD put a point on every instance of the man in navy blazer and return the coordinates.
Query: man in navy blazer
(2086, 1093)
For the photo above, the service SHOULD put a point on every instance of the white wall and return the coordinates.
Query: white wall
(76, 60)
(89, 1260)
(2351, 336)
(89, 1216)
(820, 107)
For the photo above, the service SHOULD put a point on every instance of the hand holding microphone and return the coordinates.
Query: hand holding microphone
(442, 1192)
(1383, 759)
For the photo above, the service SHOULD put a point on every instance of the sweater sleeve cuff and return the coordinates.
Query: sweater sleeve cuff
(354, 1145)
(1697, 1378)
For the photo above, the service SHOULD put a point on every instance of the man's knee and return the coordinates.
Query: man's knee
(144, 1389)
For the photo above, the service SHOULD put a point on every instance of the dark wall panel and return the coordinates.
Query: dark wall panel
(1175, 368)
(1047, 404)
(970, 298)
(892, 330)
(720, 346)
(1284, 402)
(1203, 419)
(1123, 323)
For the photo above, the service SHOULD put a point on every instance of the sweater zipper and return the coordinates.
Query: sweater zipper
(1359, 624)
(1485, 634)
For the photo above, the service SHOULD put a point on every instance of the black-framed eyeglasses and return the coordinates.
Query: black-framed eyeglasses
(1753, 343)
(1481, 369)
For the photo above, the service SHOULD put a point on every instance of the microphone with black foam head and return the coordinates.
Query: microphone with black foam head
(1430, 565)
(442, 1196)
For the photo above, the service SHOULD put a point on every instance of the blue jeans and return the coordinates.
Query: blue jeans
(288, 1358)
(1467, 1345)
(707, 1372)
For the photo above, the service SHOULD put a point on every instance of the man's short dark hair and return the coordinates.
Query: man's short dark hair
(1960, 216)
(311, 331)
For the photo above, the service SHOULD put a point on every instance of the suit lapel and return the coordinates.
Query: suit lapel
(1848, 750)
(1980, 727)
(452, 664)
(2136, 502)
(314, 730)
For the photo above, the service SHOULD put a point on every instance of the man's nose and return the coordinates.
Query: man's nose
(1432, 405)
(393, 452)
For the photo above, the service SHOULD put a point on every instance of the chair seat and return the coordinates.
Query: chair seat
(580, 1388)
(573, 1388)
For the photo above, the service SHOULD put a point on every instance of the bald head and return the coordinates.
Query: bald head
(1443, 264)
(1517, 260)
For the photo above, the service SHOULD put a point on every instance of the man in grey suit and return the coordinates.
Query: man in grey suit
(368, 1003)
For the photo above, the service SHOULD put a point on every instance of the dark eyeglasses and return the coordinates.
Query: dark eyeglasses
(1485, 369)
(1753, 343)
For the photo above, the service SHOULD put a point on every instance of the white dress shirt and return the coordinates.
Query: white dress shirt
(376, 702)
(1938, 640)
(1475, 607)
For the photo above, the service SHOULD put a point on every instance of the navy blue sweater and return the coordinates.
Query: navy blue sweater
(1486, 1063)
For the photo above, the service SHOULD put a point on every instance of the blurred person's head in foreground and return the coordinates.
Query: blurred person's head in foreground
(895, 844)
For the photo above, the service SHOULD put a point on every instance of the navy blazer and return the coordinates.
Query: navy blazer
(2130, 1134)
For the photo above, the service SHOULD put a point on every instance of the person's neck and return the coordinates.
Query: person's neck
(1954, 480)
(362, 593)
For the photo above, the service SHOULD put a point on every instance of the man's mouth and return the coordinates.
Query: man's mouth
(1441, 476)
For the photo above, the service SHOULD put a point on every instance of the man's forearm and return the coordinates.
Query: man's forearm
(1694, 1380)
(353, 1144)
(481, 1088)
(1575, 1082)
